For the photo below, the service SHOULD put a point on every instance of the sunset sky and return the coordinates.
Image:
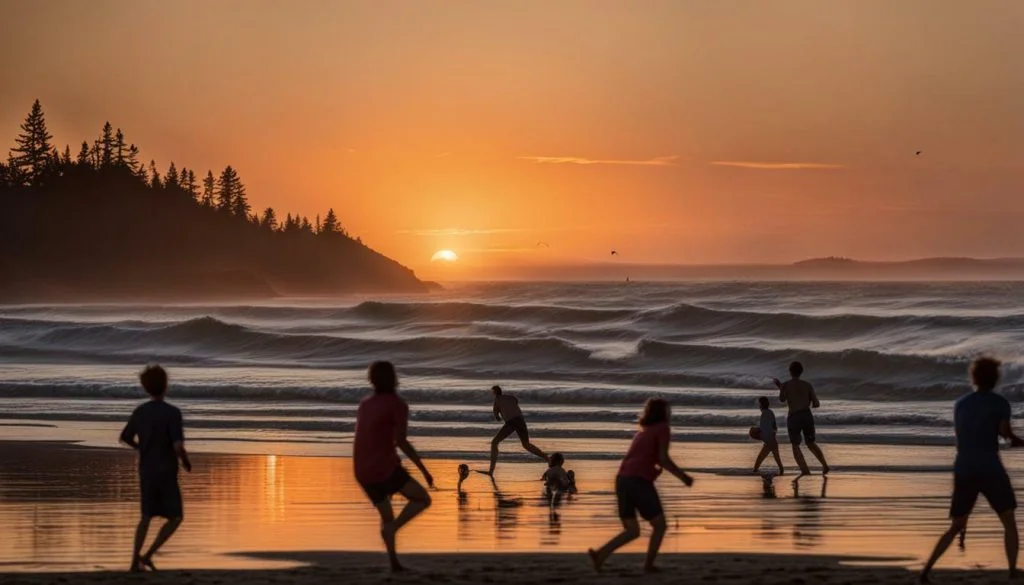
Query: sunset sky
(672, 131)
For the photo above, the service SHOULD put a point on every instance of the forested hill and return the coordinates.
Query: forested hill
(103, 225)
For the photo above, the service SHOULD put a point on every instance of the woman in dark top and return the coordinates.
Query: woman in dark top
(634, 486)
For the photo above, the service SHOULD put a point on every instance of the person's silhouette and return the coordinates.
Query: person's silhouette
(980, 418)
(381, 425)
(506, 408)
(800, 397)
(156, 431)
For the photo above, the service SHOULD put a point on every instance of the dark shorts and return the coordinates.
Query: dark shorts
(517, 425)
(161, 496)
(996, 488)
(382, 490)
(636, 494)
(800, 423)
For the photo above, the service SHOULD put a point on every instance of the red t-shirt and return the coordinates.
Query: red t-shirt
(382, 419)
(642, 459)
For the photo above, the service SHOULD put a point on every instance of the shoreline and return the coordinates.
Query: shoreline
(564, 568)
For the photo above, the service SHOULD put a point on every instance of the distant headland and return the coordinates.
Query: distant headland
(104, 225)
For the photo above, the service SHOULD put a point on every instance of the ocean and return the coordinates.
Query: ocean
(286, 375)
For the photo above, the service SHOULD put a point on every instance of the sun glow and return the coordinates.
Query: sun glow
(444, 256)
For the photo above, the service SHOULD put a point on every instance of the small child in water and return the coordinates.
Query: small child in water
(463, 474)
(556, 480)
(769, 429)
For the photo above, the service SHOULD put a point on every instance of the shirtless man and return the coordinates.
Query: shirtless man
(506, 408)
(800, 396)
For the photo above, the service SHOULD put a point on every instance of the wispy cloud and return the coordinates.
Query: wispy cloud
(433, 232)
(658, 161)
(462, 232)
(773, 166)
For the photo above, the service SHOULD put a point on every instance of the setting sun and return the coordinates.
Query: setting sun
(444, 256)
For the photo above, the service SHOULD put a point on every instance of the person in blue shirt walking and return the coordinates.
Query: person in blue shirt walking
(981, 417)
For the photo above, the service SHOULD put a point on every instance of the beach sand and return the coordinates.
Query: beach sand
(357, 568)
(68, 512)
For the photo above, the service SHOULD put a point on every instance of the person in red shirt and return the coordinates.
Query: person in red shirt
(634, 486)
(381, 424)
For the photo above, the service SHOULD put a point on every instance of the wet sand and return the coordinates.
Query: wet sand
(358, 568)
(69, 508)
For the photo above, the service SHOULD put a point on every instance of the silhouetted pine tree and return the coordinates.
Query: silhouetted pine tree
(15, 176)
(317, 231)
(65, 159)
(227, 186)
(154, 176)
(132, 160)
(331, 224)
(240, 206)
(269, 219)
(54, 166)
(172, 181)
(306, 226)
(188, 183)
(32, 153)
(106, 145)
(121, 151)
(95, 156)
(83, 155)
(209, 189)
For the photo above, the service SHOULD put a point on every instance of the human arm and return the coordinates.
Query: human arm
(129, 433)
(814, 397)
(782, 389)
(178, 441)
(1005, 429)
(670, 466)
(497, 411)
(413, 456)
(666, 462)
(402, 441)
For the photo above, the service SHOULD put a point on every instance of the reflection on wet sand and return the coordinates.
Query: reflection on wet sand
(807, 528)
(72, 507)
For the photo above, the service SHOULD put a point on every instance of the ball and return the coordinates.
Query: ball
(755, 433)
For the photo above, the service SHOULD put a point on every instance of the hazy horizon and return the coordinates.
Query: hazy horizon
(536, 134)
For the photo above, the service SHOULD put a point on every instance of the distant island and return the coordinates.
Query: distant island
(103, 225)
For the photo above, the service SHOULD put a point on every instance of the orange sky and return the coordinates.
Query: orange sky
(462, 124)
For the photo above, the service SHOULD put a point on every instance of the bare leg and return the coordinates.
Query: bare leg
(800, 461)
(140, 539)
(630, 532)
(387, 532)
(419, 500)
(501, 436)
(778, 459)
(813, 446)
(945, 540)
(165, 533)
(532, 449)
(761, 457)
(659, 526)
(1011, 539)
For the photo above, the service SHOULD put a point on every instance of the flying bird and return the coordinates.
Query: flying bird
(614, 253)
(543, 245)
(918, 153)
